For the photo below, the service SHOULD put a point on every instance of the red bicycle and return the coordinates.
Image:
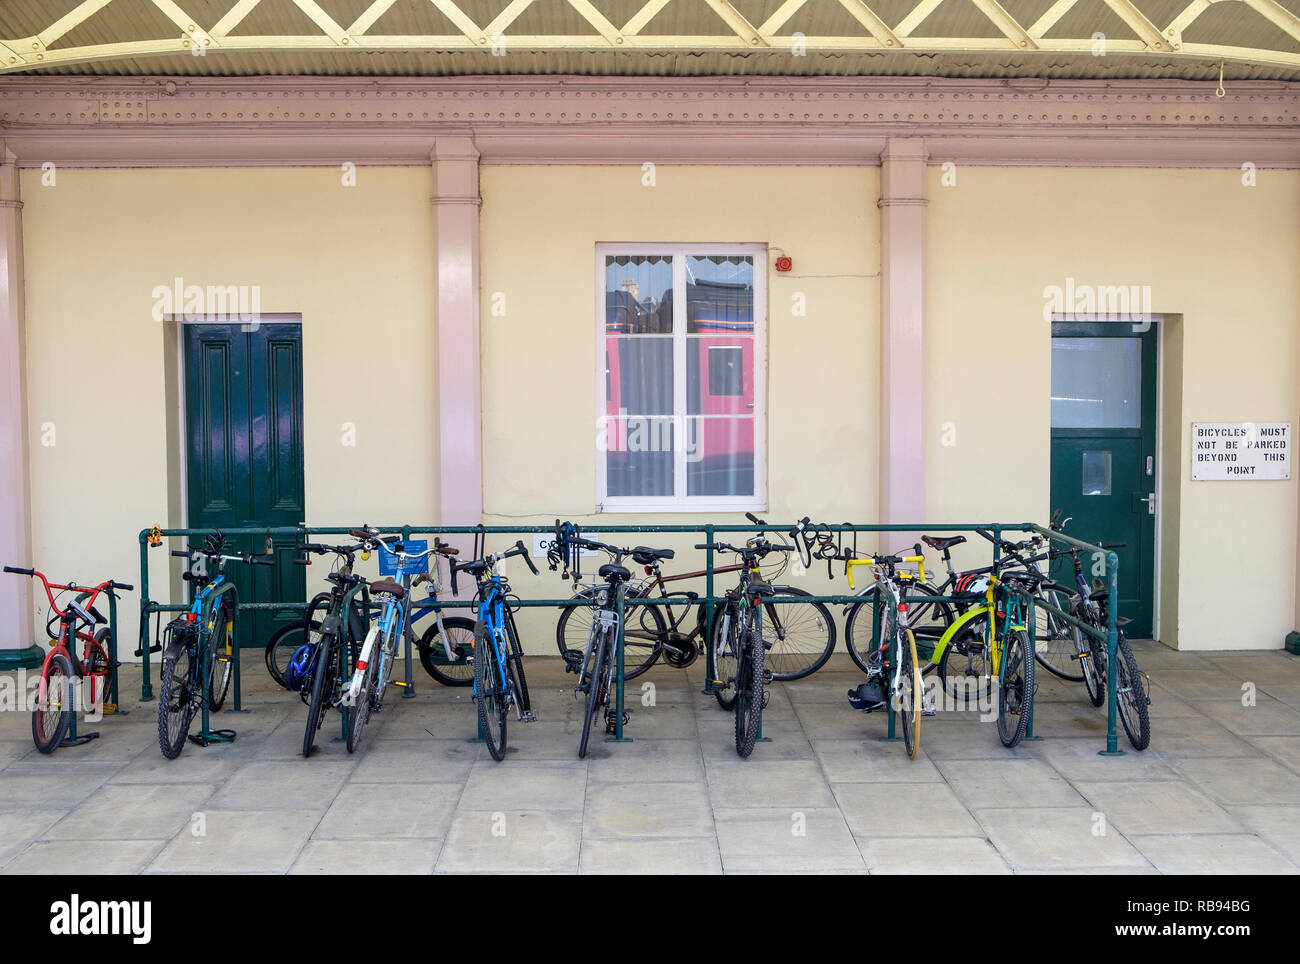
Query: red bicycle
(56, 699)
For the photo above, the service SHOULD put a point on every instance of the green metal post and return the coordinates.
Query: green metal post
(710, 671)
(408, 691)
(1112, 645)
(146, 681)
(111, 695)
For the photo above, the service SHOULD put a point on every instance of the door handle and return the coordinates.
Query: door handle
(1150, 500)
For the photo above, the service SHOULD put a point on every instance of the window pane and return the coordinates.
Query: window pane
(637, 294)
(638, 456)
(720, 456)
(639, 373)
(720, 294)
(1096, 473)
(1096, 383)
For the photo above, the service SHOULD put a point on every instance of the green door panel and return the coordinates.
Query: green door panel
(1100, 477)
(244, 458)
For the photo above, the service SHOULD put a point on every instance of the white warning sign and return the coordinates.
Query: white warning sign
(1235, 451)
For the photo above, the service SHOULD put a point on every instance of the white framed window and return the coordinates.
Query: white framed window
(681, 387)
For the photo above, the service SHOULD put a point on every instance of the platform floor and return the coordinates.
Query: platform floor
(1217, 792)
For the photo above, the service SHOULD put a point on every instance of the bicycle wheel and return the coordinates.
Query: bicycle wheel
(221, 641)
(515, 663)
(802, 636)
(964, 669)
(456, 670)
(727, 657)
(489, 694)
(1092, 661)
(1131, 698)
(749, 693)
(1055, 645)
(284, 642)
(365, 697)
(643, 635)
(858, 620)
(910, 695)
(1016, 692)
(596, 678)
(323, 684)
(52, 714)
(177, 696)
(97, 668)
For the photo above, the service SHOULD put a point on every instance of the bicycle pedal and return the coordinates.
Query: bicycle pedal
(528, 717)
(766, 694)
(767, 676)
(398, 682)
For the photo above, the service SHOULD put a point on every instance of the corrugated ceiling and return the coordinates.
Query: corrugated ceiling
(1231, 24)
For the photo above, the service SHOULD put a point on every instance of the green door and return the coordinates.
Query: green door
(1104, 452)
(244, 463)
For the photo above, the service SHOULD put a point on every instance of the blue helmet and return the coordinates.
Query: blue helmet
(299, 667)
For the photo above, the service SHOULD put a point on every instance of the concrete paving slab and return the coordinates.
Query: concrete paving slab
(239, 842)
(932, 855)
(512, 842)
(1213, 854)
(368, 856)
(1056, 838)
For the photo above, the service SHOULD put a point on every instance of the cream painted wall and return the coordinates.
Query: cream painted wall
(540, 228)
(1222, 255)
(355, 262)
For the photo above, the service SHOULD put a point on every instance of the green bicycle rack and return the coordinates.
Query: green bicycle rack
(1109, 636)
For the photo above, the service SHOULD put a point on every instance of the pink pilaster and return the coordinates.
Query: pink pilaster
(459, 449)
(15, 521)
(902, 333)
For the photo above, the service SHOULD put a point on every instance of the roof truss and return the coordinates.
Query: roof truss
(730, 31)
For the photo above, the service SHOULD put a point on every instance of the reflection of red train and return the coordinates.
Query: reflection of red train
(719, 380)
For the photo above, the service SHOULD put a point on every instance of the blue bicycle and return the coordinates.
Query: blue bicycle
(499, 681)
(374, 666)
(196, 665)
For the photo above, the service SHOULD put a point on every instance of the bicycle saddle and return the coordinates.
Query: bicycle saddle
(616, 573)
(647, 556)
(389, 586)
(940, 543)
(762, 589)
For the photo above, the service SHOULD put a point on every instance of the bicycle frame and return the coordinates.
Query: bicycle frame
(492, 614)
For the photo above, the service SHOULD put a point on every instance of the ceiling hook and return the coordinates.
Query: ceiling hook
(1219, 92)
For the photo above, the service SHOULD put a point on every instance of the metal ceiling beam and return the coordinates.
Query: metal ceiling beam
(733, 32)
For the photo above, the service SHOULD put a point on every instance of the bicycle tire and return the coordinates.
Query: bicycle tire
(1016, 689)
(489, 690)
(433, 654)
(1056, 652)
(49, 728)
(727, 664)
(639, 653)
(322, 682)
(911, 700)
(596, 691)
(858, 640)
(1129, 680)
(365, 696)
(176, 702)
(515, 662)
(98, 668)
(1093, 664)
(749, 693)
(222, 641)
(790, 658)
(286, 640)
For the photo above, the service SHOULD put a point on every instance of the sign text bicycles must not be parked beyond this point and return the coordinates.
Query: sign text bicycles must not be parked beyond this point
(1241, 450)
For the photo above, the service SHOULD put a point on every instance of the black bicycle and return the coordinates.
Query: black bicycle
(739, 649)
(597, 662)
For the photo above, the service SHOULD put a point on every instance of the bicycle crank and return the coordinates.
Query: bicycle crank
(680, 651)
